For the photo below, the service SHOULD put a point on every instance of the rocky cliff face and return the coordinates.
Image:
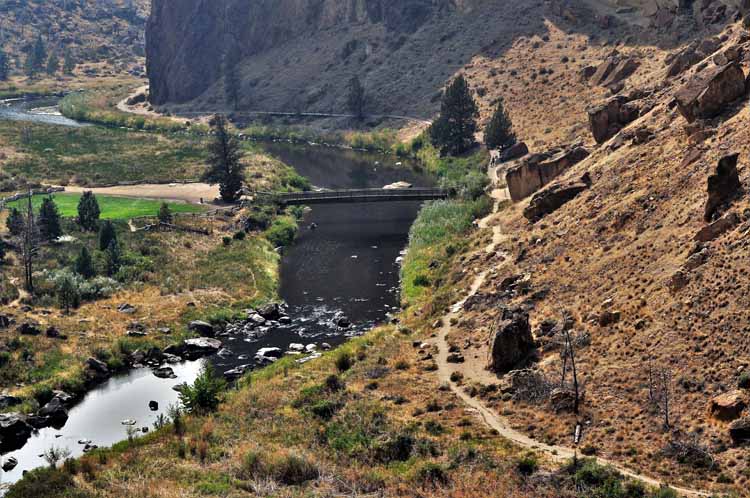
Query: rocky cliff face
(188, 39)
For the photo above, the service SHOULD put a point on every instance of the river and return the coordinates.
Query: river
(346, 267)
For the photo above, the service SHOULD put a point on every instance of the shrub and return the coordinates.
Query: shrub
(432, 474)
(204, 395)
(288, 468)
(527, 464)
(343, 361)
(45, 482)
(282, 231)
(421, 281)
(240, 235)
(226, 241)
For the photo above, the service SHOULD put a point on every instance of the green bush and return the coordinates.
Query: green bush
(527, 464)
(288, 468)
(432, 474)
(344, 361)
(204, 395)
(46, 482)
(282, 231)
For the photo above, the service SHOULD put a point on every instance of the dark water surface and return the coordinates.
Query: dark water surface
(346, 267)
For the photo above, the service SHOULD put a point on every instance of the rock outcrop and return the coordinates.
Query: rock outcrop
(739, 430)
(727, 406)
(192, 349)
(723, 186)
(553, 197)
(710, 91)
(14, 431)
(511, 341)
(613, 71)
(606, 120)
(540, 169)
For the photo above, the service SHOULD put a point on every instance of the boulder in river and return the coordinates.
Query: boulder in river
(165, 373)
(192, 349)
(236, 373)
(54, 413)
(10, 464)
(14, 431)
(270, 311)
(153, 405)
(6, 401)
(96, 371)
(268, 355)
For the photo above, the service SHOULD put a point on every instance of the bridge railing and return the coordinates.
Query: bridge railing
(363, 193)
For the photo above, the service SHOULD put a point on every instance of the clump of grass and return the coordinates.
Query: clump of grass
(344, 361)
(285, 467)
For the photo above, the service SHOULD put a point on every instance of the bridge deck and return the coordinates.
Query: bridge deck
(364, 195)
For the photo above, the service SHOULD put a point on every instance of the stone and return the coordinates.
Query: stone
(455, 358)
(6, 401)
(717, 228)
(201, 328)
(607, 318)
(153, 405)
(164, 373)
(678, 281)
(236, 372)
(52, 333)
(269, 354)
(607, 119)
(539, 170)
(96, 371)
(270, 311)
(192, 349)
(562, 400)
(10, 464)
(709, 92)
(622, 71)
(739, 430)
(723, 186)
(515, 151)
(126, 308)
(511, 341)
(728, 406)
(14, 431)
(343, 322)
(553, 197)
(29, 328)
(54, 412)
(398, 186)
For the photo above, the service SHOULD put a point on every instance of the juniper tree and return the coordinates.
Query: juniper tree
(453, 131)
(357, 98)
(68, 294)
(69, 63)
(107, 234)
(84, 265)
(165, 214)
(15, 222)
(53, 63)
(224, 161)
(36, 58)
(4, 66)
(113, 258)
(29, 245)
(50, 227)
(88, 211)
(499, 132)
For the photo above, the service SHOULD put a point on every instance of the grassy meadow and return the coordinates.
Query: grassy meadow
(112, 207)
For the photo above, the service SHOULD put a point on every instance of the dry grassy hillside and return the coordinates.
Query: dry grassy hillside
(609, 256)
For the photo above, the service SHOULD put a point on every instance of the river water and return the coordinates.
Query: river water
(346, 267)
(38, 110)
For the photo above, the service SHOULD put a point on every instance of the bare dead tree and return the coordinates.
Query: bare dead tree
(29, 245)
(660, 391)
(571, 355)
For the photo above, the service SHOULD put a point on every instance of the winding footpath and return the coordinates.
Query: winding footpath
(482, 410)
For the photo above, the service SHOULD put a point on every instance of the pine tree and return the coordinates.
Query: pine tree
(107, 234)
(84, 266)
(36, 59)
(499, 132)
(4, 66)
(49, 220)
(357, 98)
(69, 63)
(224, 161)
(53, 64)
(88, 211)
(15, 222)
(113, 258)
(453, 132)
(3, 250)
(165, 214)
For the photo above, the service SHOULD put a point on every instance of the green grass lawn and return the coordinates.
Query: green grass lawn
(112, 208)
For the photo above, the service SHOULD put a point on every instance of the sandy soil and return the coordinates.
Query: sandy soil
(187, 192)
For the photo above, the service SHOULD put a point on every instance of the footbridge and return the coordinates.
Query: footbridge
(356, 196)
